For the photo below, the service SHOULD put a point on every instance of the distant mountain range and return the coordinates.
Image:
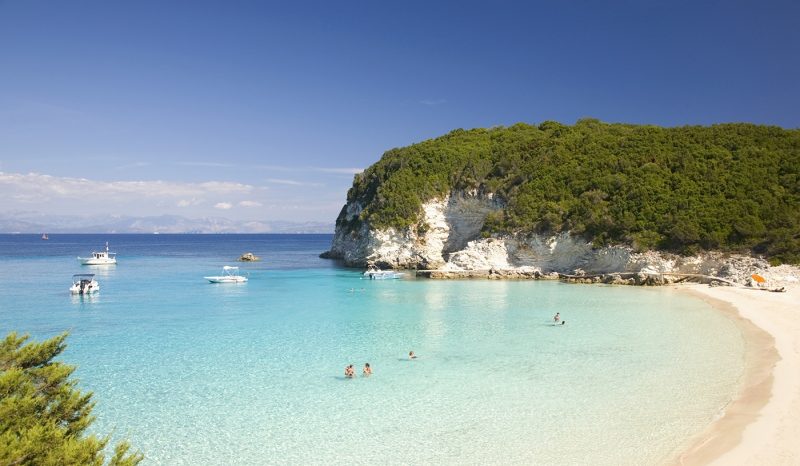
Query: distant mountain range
(34, 222)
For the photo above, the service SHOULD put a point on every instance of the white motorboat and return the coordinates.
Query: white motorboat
(84, 283)
(100, 258)
(374, 273)
(230, 274)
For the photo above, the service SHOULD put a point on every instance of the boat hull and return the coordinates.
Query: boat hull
(93, 261)
(383, 275)
(226, 279)
(77, 289)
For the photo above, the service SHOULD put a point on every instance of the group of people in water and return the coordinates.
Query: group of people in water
(350, 371)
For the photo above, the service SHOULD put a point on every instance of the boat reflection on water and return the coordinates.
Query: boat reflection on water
(92, 298)
(100, 270)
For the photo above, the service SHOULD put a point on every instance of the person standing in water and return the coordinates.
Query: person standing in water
(349, 372)
(367, 370)
(556, 318)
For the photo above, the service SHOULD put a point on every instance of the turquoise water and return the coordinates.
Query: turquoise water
(196, 373)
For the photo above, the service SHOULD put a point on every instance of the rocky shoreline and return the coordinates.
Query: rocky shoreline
(613, 278)
(451, 245)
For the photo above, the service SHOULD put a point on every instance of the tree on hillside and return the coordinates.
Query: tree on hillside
(43, 416)
(730, 187)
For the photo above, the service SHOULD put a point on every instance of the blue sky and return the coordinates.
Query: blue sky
(264, 111)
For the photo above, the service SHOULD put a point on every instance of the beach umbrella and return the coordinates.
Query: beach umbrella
(758, 278)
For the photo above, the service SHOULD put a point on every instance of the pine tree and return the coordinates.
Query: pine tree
(43, 416)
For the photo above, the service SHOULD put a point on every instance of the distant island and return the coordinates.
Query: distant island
(604, 188)
(33, 222)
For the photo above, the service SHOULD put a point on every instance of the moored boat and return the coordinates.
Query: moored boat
(230, 274)
(84, 283)
(100, 258)
(374, 273)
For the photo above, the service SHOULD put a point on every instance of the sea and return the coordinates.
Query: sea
(195, 373)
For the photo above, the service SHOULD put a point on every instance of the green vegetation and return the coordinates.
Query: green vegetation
(43, 417)
(730, 187)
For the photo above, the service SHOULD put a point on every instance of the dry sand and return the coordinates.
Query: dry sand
(762, 425)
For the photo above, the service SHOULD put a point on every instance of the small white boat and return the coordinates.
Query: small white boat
(374, 273)
(230, 274)
(84, 283)
(44, 236)
(100, 258)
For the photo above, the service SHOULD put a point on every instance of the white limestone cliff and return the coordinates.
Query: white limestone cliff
(447, 225)
(448, 239)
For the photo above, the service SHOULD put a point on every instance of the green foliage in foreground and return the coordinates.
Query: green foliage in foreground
(43, 417)
(730, 187)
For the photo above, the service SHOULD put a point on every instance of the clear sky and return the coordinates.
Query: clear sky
(264, 111)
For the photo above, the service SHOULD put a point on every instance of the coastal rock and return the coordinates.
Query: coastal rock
(351, 236)
(483, 254)
(446, 226)
(447, 243)
(562, 253)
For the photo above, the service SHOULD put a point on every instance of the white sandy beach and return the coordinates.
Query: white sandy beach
(762, 426)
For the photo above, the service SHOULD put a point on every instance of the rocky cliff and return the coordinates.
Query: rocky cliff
(448, 239)
(447, 226)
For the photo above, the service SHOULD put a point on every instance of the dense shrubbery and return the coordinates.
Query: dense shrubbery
(732, 187)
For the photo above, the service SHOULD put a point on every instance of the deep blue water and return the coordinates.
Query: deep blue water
(279, 251)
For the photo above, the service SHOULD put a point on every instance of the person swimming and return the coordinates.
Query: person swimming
(367, 370)
(411, 355)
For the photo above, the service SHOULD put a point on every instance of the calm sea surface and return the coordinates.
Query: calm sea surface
(196, 373)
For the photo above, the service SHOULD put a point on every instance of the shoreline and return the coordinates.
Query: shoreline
(761, 424)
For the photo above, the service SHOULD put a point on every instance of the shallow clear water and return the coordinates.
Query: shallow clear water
(196, 373)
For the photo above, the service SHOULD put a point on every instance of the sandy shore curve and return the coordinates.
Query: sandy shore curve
(761, 426)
